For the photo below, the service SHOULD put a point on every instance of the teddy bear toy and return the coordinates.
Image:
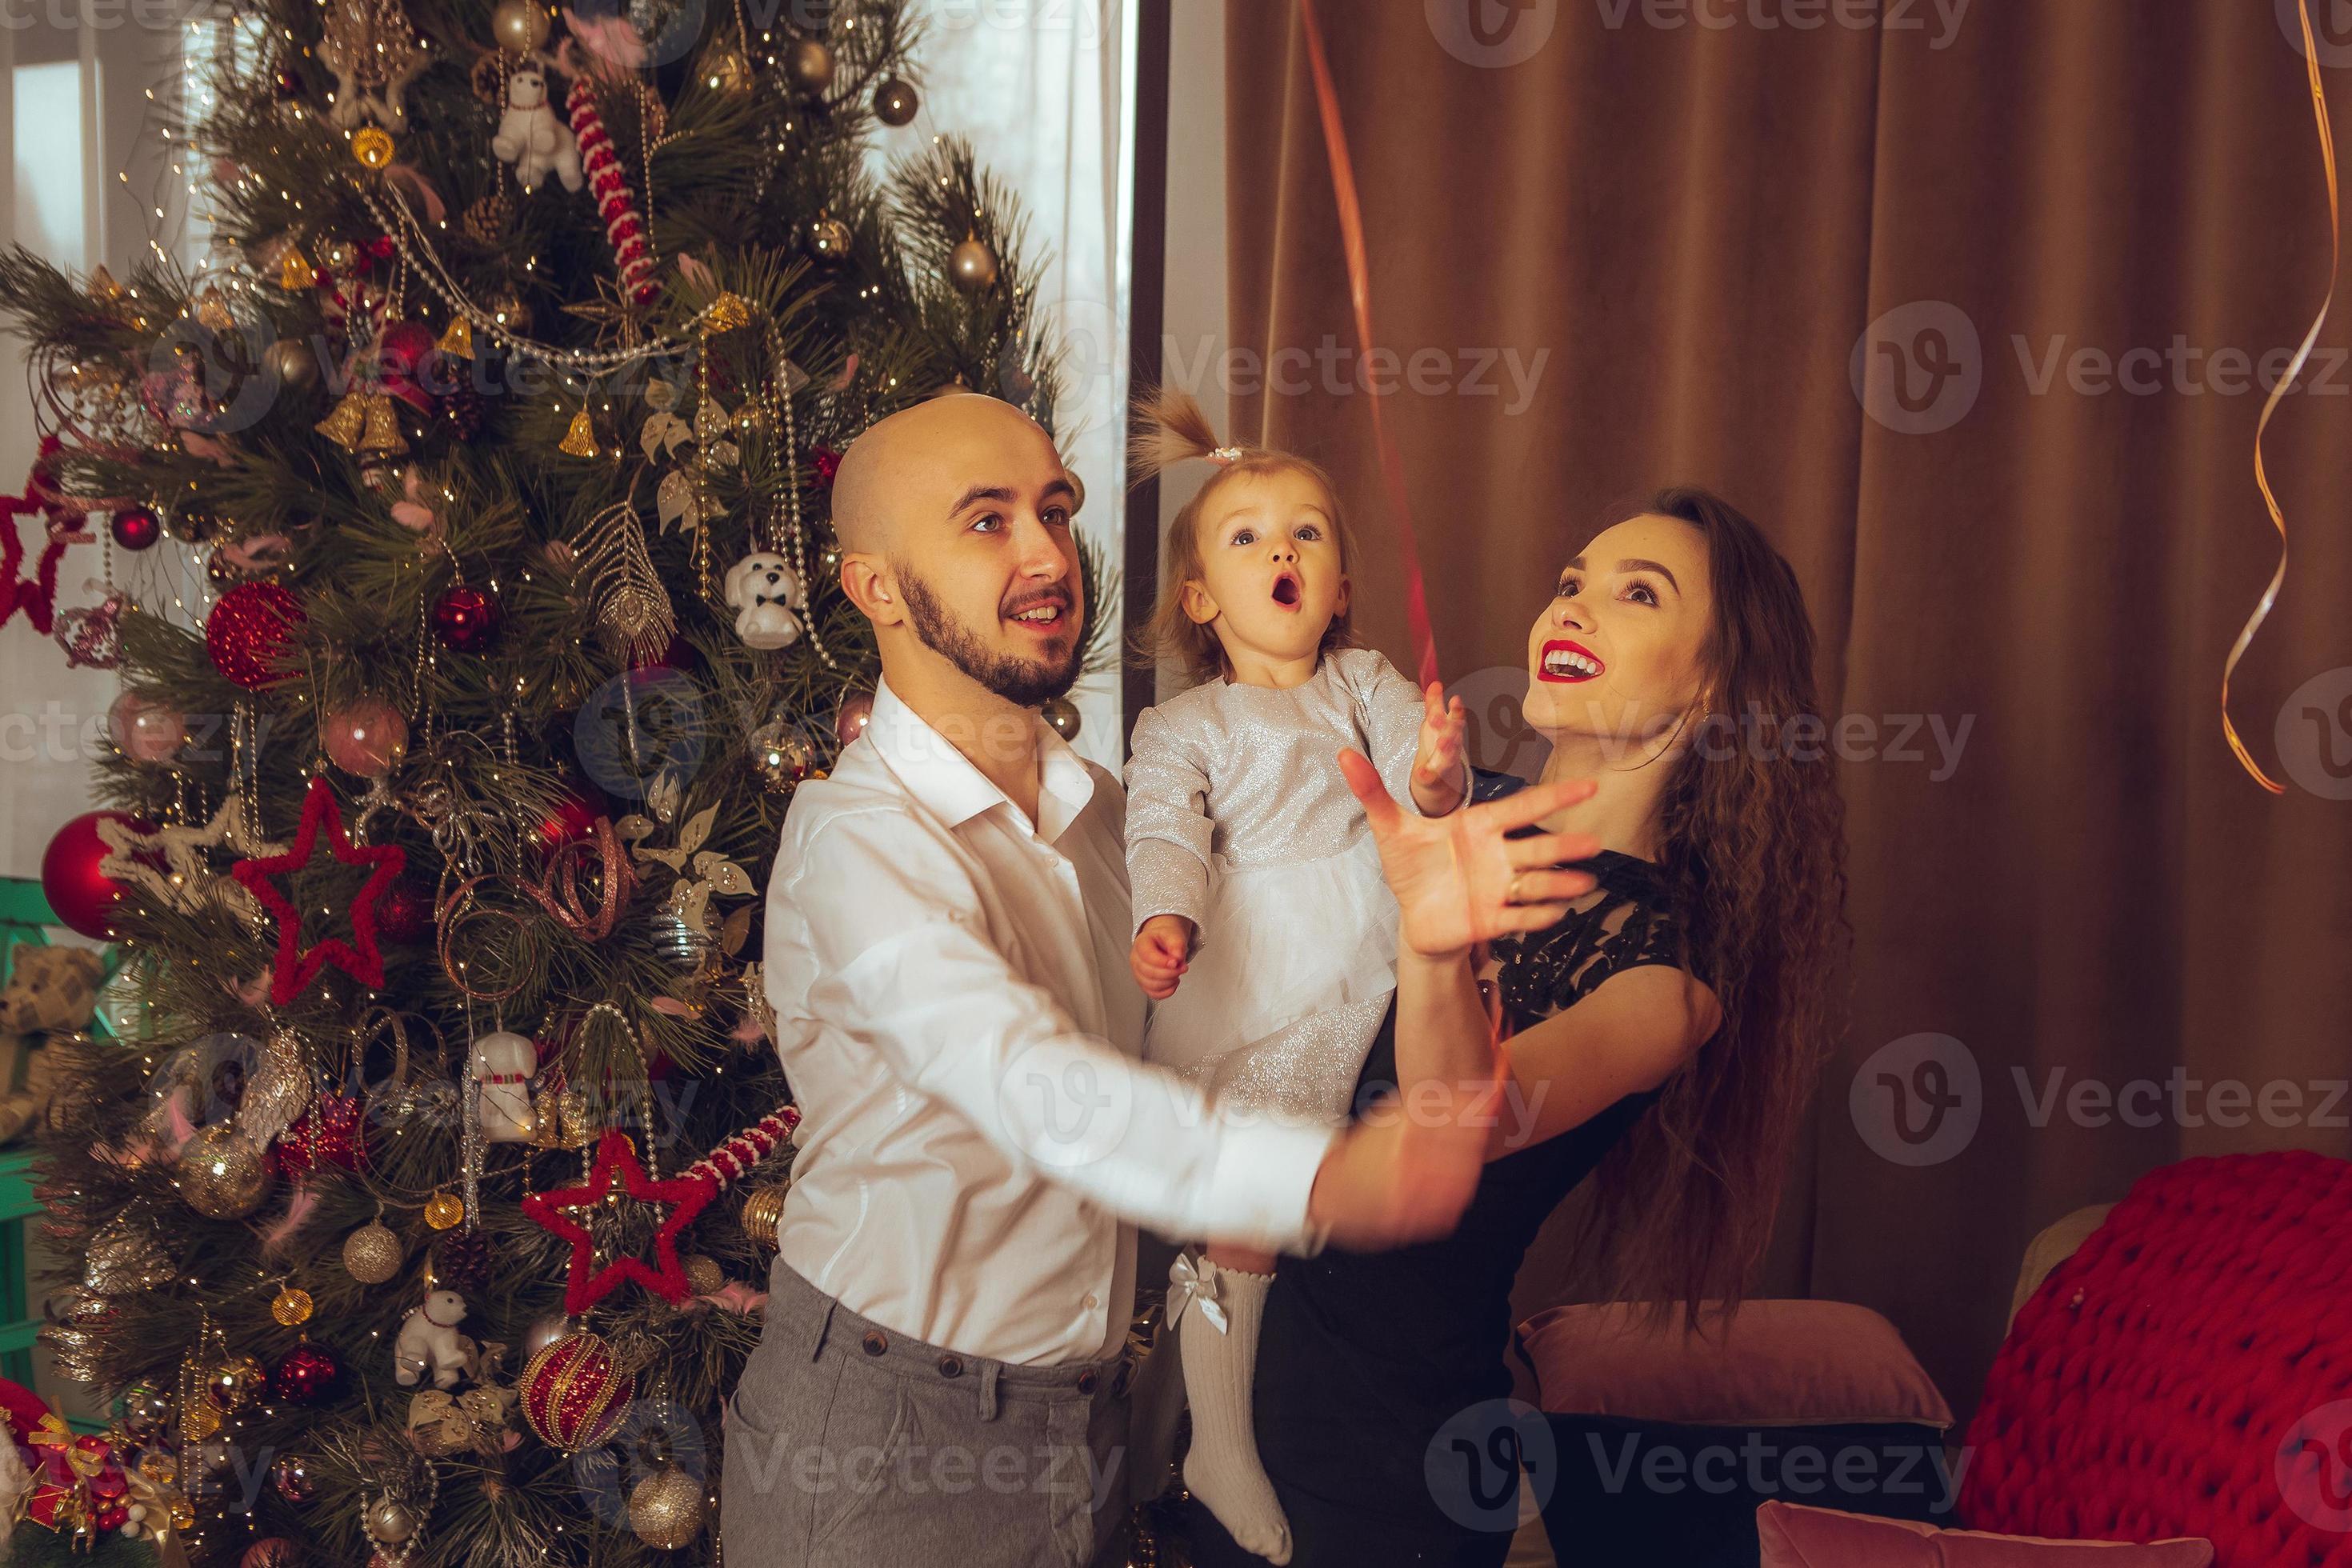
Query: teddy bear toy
(531, 138)
(763, 591)
(429, 1341)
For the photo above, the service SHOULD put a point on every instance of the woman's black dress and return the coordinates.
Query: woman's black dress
(1381, 1386)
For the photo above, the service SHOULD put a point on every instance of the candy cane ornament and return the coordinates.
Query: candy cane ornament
(609, 183)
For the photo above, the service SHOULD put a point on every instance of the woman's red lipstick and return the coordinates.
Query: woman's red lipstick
(1568, 663)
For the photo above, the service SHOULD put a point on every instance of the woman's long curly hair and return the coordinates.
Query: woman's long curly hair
(1752, 851)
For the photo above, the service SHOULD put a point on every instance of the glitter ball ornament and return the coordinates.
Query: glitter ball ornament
(895, 102)
(571, 1395)
(372, 1254)
(444, 1212)
(972, 266)
(291, 1306)
(465, 618)
(1062, 715)
(135, 527)
(145, 730)
(368, 739)
(666, 1509)
(703, 1275)
(307, 1376)
(223, 1175)
(249, 631)
(290, 1478)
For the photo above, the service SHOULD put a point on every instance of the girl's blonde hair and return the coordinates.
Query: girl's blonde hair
(1170, 427)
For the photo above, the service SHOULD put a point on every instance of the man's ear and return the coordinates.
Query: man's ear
(1197, 604)
(868, 581)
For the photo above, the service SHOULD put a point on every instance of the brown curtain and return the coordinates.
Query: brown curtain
(1696, 223)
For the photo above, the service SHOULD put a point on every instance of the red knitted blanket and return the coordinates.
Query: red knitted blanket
(2188, 1372)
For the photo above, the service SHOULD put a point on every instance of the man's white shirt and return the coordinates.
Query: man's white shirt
(961, 1030)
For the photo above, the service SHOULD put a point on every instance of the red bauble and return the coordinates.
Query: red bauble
(406, 357)
(249, 631)
(571, 1394)
(404, 913)
(307, 1376)
(332, 1131)
(83, 895)
(136, 527)
(573, 819)
(828, 463)
(465, 618)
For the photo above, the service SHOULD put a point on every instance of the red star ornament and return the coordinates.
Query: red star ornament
(295, 967)
(588, 1283)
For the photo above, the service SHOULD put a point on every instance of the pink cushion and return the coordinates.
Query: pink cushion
(1777, 1363)
(1819, 1538)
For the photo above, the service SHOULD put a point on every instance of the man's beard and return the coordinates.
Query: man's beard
(1024, 682)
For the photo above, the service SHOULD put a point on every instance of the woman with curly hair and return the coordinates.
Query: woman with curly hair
(1660, 1040)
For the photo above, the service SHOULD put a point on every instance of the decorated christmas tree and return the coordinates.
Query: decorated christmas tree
(469, 576)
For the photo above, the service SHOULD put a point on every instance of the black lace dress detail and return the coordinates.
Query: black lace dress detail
(1364, 1357)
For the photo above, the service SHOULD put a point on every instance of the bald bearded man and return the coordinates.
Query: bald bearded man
(940, 1378)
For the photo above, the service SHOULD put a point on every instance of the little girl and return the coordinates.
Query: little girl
(1265, 931)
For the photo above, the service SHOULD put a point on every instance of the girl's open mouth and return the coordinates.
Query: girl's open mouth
(1286, 590)
(1568, 662)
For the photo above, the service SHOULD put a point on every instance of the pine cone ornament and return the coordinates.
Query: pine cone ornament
(460, 413)
(462, 1262)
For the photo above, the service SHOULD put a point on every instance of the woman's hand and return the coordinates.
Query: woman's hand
(1458, 879)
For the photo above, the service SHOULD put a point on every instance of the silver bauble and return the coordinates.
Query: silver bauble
(676, 943)
(389, 1521)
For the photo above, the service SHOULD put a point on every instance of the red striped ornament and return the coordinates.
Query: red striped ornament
(609, 183)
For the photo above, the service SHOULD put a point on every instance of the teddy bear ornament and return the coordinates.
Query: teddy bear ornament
(531, 138)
